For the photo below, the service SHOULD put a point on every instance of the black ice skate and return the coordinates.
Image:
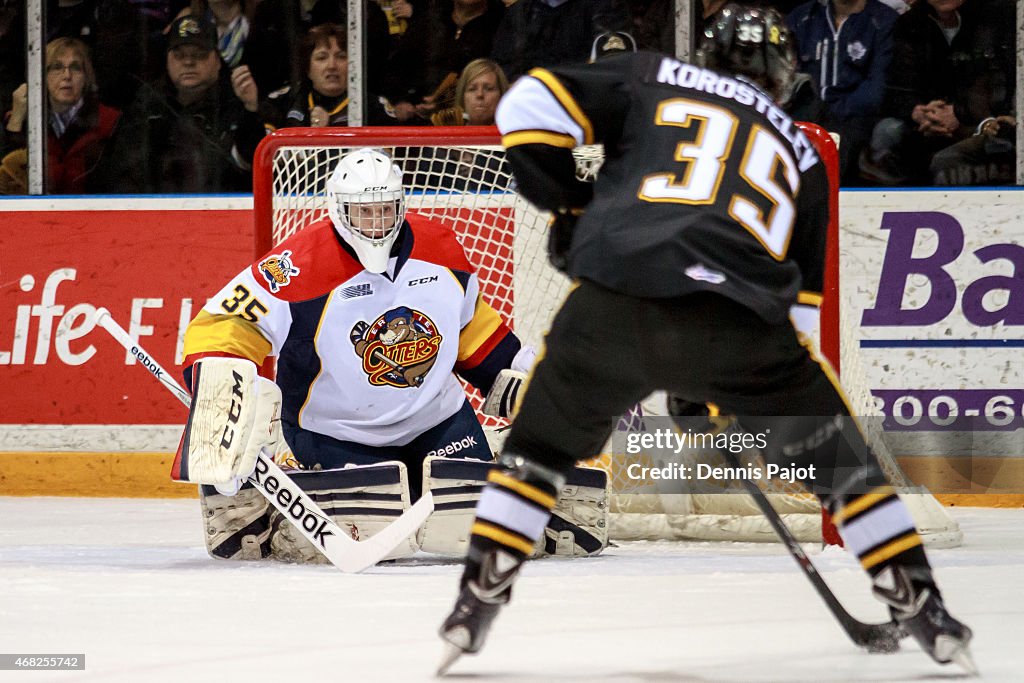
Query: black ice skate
(487, 586)
(918, 608)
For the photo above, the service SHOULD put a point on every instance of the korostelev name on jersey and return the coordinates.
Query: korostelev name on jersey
(674, 72)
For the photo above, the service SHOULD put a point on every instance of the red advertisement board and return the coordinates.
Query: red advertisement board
(151, 262)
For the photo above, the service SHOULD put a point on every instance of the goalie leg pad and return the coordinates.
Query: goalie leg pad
(235, 527)
(361, 500)
(578, 526)
(456, 486)
(579, 522)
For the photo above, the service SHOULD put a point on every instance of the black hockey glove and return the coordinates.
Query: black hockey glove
(560, 231)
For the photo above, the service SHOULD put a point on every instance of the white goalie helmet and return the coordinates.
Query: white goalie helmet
(366, 203)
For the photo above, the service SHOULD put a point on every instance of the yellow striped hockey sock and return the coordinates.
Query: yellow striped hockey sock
(511, 514)
(877, 528)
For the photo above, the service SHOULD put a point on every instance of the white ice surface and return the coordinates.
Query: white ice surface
(128, 583)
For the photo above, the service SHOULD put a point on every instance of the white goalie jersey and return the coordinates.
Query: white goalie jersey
(361, 356)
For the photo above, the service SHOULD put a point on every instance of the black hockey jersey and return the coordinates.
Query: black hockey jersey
(707, 184)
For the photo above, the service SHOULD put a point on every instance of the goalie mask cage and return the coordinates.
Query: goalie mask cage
(458, 176)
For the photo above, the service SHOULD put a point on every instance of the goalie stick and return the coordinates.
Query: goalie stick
(874, 637)
(343, 551)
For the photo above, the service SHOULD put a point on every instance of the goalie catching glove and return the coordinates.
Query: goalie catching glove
(504, 394)
(235, 414)
(501, 399)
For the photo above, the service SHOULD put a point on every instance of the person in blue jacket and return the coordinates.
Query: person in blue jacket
(846, 46)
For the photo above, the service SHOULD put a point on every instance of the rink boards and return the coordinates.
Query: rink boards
(932, 294)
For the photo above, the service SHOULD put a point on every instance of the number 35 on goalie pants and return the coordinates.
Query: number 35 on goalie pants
(578, 525)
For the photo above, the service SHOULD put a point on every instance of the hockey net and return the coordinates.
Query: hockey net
(458, 176)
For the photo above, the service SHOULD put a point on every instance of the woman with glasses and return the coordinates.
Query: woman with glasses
(79, 126)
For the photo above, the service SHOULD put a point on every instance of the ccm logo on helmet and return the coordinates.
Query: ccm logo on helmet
(375, 188)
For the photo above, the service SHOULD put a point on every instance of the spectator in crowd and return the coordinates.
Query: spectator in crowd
(477, 92)
(80, 127)
(277, 29)
(194, 131)
(321, 98)
(231, 23)
(846, 46)
(986, 158)
(949, 72)
(551, 32)
(441, 40)
(126, 38)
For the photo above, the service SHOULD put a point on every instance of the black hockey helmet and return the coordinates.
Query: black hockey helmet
(753, 42)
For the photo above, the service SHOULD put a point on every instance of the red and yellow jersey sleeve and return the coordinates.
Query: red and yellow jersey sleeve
(486, 347)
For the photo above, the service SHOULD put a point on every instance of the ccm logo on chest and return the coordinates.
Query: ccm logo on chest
(422, 280)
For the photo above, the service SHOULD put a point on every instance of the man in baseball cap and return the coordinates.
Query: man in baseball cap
(193, 63)
(195, 130)
(189, 30)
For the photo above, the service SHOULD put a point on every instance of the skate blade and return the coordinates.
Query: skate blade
(450, 656)
(965, 661)
(955, 651)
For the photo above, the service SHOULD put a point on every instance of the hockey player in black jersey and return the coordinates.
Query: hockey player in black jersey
(699, 257)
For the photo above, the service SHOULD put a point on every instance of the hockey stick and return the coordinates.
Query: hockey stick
(874, 637)
(343, 551)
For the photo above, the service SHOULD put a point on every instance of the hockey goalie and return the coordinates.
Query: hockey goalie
(370, 314)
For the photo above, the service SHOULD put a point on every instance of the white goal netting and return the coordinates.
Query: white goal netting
(461, 181)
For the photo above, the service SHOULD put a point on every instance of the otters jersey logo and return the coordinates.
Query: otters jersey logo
(278, 270)
(398, 348)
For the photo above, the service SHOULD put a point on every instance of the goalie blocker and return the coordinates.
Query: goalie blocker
(364, 499)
